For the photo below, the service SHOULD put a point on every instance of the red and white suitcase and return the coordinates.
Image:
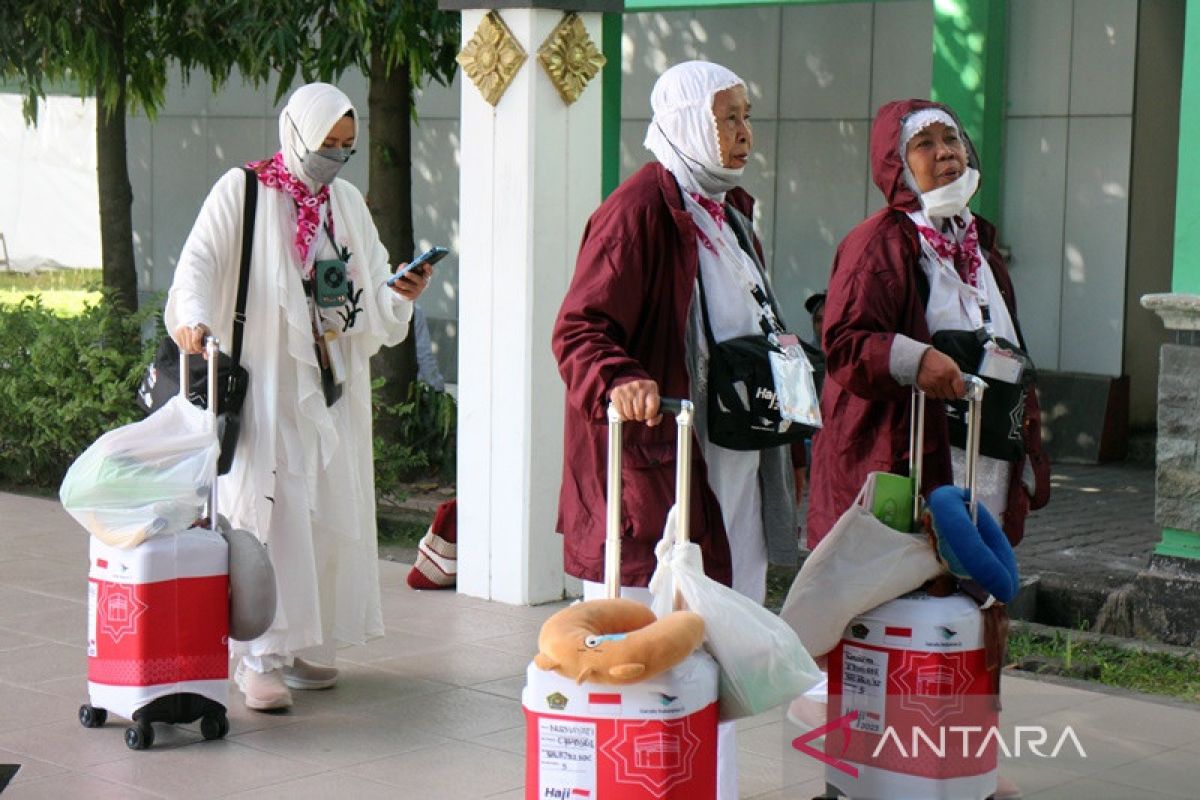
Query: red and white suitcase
(914, 673)
(912, 707)
(653, 740)
(158, 625)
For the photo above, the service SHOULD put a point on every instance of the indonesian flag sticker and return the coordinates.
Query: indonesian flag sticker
(608, 702)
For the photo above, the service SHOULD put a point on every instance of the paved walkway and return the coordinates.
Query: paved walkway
(432, 710)
(1099, 524)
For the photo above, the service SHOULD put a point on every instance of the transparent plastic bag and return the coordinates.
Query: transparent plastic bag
(795, 389)
(149, 477)
(763, 664)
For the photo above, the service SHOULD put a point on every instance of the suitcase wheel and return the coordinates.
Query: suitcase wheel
(214, 726)
(92, 717)
(139, 736)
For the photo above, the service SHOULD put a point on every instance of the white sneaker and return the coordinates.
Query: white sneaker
(303, 675)
(264, 691)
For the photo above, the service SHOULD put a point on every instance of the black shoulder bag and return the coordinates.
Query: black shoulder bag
(743, 413)
(1003, 413)
(161, 380)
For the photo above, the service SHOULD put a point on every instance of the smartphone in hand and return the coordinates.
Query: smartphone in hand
(431, 256)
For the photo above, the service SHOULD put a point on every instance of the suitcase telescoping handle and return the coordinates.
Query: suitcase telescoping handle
(684, 413)
(211, 350)
(975, 387)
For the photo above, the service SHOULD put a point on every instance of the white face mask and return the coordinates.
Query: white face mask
(951, 199)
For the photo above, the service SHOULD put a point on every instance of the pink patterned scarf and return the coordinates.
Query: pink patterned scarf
(716, 211)
(964, 256)
(274, 175)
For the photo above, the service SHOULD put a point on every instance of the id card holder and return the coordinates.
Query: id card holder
(329, 275)
(1000, 364)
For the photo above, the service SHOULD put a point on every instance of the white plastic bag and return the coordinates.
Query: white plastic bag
(145, 478)
(860, 564)
(763, 664)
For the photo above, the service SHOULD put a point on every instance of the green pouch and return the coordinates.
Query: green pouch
(329, 275)
(892, 501)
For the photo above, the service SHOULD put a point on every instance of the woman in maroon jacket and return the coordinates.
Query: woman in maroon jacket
(922, 266)
(628, 332)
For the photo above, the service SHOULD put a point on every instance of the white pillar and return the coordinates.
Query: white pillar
(529, 178)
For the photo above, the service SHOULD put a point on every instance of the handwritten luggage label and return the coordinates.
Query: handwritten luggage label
(864, 682)
(567, 758)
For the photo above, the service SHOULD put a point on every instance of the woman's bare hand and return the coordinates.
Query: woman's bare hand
(637, 401)
(191, 340)
(411, 285)
(939, 377)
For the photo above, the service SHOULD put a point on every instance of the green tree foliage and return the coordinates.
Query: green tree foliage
(64, 380)
(119, 51)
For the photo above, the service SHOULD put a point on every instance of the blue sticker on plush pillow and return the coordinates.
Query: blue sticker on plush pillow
(980, 551)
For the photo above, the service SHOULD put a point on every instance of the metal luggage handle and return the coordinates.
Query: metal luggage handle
(974, 389)
(684, 413)
(212, 348)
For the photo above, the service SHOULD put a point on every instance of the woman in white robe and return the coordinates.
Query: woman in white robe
(302, 477)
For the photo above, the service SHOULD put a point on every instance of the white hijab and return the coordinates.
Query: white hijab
(310, 113)
(683, 133)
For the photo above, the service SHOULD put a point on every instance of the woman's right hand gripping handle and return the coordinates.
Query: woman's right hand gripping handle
(191, 339)
(637, 401)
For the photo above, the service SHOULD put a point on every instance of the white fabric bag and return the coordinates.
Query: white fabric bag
(763, 664)
(149, 477)
(860, 564)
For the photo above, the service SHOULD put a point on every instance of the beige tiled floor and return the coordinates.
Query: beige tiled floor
(432, 710)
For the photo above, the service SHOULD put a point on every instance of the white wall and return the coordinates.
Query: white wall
(49, 209)
(1066, 183)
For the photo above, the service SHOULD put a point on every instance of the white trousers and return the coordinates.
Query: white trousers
(727, 773)
(733, 477)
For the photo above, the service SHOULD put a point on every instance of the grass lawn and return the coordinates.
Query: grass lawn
(1065, 653)
(62, 291)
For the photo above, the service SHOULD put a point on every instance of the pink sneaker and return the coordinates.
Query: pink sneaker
(264, 691)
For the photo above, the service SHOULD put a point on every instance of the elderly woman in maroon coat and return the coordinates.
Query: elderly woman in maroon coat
(629, 332)
(922, 270)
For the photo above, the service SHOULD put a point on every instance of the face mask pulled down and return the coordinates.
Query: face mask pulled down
(951, 199)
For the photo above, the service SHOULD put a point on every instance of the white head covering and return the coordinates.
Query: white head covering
(683, 133)
(920, 120)
(310, 113)
(946, 201)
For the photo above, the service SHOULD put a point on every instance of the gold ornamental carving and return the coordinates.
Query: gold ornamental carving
(570, 57)
(492, 58)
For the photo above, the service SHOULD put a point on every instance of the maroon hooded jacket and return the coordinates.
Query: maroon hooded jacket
(873, 295)
(624, 319)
